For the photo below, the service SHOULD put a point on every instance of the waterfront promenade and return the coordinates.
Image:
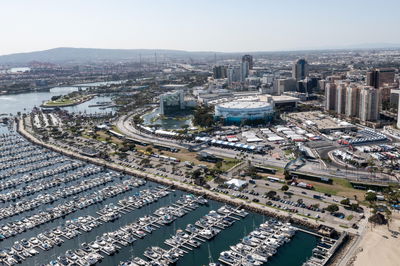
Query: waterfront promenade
(311, 223)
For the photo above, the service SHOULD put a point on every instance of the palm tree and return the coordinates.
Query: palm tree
(388, 215)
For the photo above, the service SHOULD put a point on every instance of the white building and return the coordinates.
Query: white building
(236, 112)
(369, 104)
(398, 107)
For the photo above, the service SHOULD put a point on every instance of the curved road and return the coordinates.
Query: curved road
(127, 129)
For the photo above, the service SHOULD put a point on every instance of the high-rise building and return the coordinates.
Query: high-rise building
(244, 71)
(377, 77)
(249, 59)
(385, 92)
(171, 102)
(219, 72)
(284, 85)
(307, 85)
(300, 69)
(341, 94)
(321, 84)
(330, 97)
(369, 104)
(353, 101)
(397, 92)
(233, 74)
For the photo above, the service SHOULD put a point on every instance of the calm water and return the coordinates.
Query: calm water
(24, 102)
(293, 253)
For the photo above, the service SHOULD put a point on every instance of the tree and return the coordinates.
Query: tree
(122, 155)
(332, 208)
(270, 194)
(370, 196)
(285, 188)
(300, 201)
(345, 202)
(218, 165)
(354, 206)
(185, 129)
(149, 150)
(287, 175)
(377, 218)
(137, 119)
(145, 161)
(196, 174)
(388, 215)
(315, 206)
(203, 116)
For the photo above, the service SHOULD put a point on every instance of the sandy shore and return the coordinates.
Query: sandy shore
(378, 246)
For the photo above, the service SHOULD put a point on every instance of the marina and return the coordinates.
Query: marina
(259, 245)
(56, 210)
(182, 242)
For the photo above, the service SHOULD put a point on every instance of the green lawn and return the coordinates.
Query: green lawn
(209, 178)
(343, 182)
(339, 187)
(116, 129)
(60, 102)
(325, 189)
(228, 163)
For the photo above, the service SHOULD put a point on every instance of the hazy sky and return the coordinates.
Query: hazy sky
(196, 25)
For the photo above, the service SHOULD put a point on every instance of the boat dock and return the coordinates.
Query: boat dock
(183, 242)
(325, 250)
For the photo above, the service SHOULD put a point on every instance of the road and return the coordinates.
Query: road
(127, 129)
(123, 124)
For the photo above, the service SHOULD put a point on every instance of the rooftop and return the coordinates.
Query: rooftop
(244, 104)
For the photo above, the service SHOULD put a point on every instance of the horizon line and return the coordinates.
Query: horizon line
(384, 46)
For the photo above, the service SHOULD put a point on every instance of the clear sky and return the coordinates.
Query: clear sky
(196, 25)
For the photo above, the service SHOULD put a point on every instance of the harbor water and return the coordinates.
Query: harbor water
(25, 102)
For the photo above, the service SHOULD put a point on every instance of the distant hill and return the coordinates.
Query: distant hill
(90, 55)
(66, 55)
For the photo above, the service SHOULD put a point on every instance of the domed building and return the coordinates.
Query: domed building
(238, 112)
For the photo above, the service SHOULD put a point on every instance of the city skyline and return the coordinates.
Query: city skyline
(223, 26)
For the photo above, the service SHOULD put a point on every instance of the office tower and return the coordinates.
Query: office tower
(283, 85)
(377, 77)
(330, 96)
(301, 86)
(321, 84)
(396, 92)
(171, 102)
(385, 92)
(307, 85)
(340, 106)
(353, 101)
(300, 69)
(219, 72)
(233, 74)
(312, 84)
(249, 59)
(369, 104)
(244, 71)
(394, 99)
